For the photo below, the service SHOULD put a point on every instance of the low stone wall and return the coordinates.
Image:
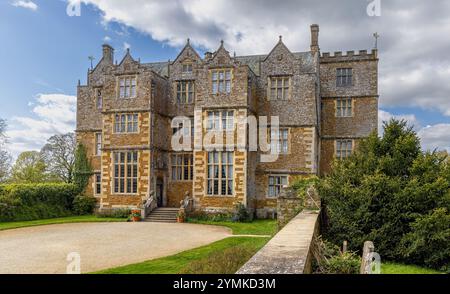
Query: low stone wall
(288, 252)
(289, 204)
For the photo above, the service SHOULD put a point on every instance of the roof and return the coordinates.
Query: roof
(306, 60)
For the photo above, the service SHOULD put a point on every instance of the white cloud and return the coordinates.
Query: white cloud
(107, 39)
(435, 137)
(126, 46)
(414, 65)
(431, 136)
(25, 4)
(384, 116)
(52, 114)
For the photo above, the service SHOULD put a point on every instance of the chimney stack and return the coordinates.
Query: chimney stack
(108, 53)
(315, 38)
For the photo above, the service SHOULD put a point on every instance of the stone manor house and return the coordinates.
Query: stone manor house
(325, 103)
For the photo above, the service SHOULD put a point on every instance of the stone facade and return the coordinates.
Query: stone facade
(161, 91)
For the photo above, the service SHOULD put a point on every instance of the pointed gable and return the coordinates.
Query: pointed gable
(188, 53)
(221, 57)
(280, 60)
(128, 63)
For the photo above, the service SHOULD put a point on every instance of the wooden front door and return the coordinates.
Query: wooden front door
(159, 191)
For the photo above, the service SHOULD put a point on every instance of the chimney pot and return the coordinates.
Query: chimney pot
(315, 38)
(108, 53)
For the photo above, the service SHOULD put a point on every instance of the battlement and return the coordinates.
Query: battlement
(338, 56)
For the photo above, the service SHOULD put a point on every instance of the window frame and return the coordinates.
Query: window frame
(122, 125)
(99, 99)
(181, 128)
(344, 109)
(186, 87)
(276, 185)
(216, 122)
(338, 153)
(178, 167)
(187, 65)
(226, 81)
(275, 88)
(97, 183)
(217, 181)
(130, 83)
(98, 143)
(344, 77)
(281, 140)
(121, 170)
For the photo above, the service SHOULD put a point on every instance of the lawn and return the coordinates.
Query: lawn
(257, 227)
(397, 268)
(211, 256)
(61, 220)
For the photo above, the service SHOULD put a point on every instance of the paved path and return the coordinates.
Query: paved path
(44, 249)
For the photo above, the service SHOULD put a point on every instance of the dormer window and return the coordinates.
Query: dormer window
(127, 87)
(221, 81)
(187, 68)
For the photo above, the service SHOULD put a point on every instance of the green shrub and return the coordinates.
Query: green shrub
(343, 263)
(209, 216)
(384, 192)
(22, 202)
(301, 185)
(429, 241)
(114, 213)
(329, 259)
(84, 205)
(227, 261)
(241, 214)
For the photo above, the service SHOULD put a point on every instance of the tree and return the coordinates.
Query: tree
(82, 168)
(383, 191)
(59, 156)
(29, 168)
(5, 157)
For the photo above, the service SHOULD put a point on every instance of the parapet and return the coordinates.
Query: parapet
(361, 55)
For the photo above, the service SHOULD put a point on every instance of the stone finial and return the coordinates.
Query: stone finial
(188, 41)
(221, 43)
(280, 38)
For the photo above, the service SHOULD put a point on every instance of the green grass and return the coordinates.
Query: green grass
(397, 268)
(61, 220)
(257, 227)
(177, 263)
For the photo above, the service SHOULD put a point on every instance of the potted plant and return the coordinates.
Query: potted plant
(136, 215)
(181, 215)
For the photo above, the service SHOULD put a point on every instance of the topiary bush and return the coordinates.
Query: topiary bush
(22, 202)
(83, 205)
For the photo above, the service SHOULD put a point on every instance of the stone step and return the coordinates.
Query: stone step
(162, 217)
(161, 220)
(162, 214)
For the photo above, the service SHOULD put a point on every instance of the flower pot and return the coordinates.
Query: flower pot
(136, 218)
(180, 219)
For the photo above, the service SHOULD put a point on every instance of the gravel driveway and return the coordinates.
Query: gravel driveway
(44, 249)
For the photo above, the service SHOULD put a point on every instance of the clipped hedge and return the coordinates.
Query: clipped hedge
(22, 202)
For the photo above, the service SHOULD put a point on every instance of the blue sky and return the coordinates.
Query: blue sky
(44, 51)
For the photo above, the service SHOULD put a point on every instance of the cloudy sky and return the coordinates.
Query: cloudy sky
(44, 50)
